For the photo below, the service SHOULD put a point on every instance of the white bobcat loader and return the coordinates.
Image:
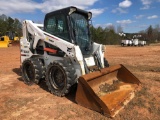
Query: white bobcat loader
(63, 54)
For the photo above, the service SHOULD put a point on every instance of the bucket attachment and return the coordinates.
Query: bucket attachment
(107, 90)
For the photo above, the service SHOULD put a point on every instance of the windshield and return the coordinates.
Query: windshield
(80, 28)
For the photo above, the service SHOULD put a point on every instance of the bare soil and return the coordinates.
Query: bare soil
(19, 101)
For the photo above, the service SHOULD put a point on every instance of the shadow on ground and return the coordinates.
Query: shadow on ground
(18, 72)
(42, 84)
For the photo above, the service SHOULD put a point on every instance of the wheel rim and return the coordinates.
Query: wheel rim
(57, 77)
(29, 72)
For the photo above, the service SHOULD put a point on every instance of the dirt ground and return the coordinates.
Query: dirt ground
(19, 101)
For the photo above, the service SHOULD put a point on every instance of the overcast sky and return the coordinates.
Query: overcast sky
(132, 15)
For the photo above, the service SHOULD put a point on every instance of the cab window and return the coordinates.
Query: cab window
(57, 25)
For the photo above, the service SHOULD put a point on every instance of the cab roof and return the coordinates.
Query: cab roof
(68, 11)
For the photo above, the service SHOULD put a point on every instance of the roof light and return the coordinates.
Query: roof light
(89, 15)
(72, 9)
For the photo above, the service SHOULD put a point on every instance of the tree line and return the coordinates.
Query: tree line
(110, 36)
(107, 35)
(9, 24)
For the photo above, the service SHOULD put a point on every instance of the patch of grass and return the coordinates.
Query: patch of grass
(140, 102)
(158, 111)
(155, 69)
(142, 92)
(139, 99)
(79, 112)
(144, 68)
(149, 68)
(157, 79)
(132, 114)
(17, 103)
(153, 108)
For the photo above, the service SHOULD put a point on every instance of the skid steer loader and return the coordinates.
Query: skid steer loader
(4, 41)
(8, 39)
(63, 54)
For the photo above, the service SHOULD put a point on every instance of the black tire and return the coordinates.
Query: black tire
(106, 63)
(122, 44)
(60, 76)
(32, 71)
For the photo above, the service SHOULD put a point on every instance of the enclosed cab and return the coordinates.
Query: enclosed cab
(72, 25)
